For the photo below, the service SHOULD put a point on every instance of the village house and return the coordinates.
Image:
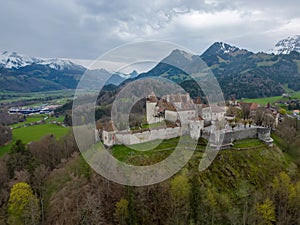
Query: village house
(233, 101)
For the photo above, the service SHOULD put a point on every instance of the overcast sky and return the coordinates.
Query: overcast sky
(85, 29)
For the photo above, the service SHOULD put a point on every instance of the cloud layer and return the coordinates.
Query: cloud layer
(85, 29)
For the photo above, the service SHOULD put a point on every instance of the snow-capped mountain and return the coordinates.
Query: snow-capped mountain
(30, 74)
(221, 51)
(225, 48)
(287, 45)
(221, 48)
(13, 60)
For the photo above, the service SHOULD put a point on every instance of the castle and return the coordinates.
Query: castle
(185, 117)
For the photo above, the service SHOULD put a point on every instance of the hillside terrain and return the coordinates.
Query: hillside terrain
(231, 191)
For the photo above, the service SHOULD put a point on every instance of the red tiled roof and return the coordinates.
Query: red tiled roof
(162, 105)
(198, 100)
(152, 97)
(110, 126)
(254, 106)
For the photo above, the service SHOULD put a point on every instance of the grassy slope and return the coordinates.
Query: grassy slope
(232, 171)
(264, 101)
(161, 150)
(249, 161)
(34, 133)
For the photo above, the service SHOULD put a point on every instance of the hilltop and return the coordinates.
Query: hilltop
(227, 192)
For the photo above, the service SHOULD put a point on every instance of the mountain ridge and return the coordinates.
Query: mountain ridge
(240, 72)
(14, 60)
(287, 45)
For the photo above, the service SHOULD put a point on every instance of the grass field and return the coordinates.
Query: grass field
(123, 152)
(163, 149)
(29, 119)
(265, 101)
(34, 133)
(36, 118)
(247, 143)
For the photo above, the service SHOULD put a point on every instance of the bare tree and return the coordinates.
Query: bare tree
(38, 180)
(287, 132)
(91, 213)
(245, 109)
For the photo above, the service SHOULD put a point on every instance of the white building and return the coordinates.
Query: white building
(172, 108)
(213, 113)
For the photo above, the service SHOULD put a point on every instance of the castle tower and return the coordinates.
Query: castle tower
(198, 104)
(151, 108)
(195, 127)
(108, 134)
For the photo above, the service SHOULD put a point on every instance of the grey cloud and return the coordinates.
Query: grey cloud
(88, 28)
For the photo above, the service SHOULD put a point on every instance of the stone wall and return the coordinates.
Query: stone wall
(108, 138)
(186, 115)
(206, 113)
(150, 110)
(171, 115)
(195, 128)
(261, 133)
(229, 137)
(129, 138)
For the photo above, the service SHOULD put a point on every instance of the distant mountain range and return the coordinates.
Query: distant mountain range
(241, 73)
(20, 73)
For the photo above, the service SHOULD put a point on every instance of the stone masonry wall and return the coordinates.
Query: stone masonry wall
(261, 133)
(128, 138)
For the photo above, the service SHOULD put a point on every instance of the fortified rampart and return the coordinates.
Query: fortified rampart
(129, 138)
(262, 133)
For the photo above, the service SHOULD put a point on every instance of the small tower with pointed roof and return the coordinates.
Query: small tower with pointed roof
(198, 106)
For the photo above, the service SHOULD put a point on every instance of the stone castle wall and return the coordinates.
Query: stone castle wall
(129, 138)
(239, 135)
(261, 133)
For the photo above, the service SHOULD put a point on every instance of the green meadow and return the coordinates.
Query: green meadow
(35, 133)
(265, 101)
(37, 118)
